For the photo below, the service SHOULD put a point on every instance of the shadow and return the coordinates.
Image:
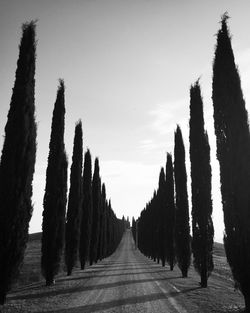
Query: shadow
(114, 268)
(76, 278)
(49, 293)
(91, 273)
(99, 307)
(175, 293)
(110, 304)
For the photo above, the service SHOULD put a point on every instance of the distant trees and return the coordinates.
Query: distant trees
(163, 221)
(55, 196)
(87, 208)
(157, 221)
(202, 224)
(74, 203)
(102, 234)
(233, 153)
(101, 231)
(182, 228)
(133, 228)
(17, 164)
(170, 203)
(104, 246)
(95, 231)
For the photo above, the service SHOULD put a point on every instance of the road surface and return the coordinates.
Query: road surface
(126, 282)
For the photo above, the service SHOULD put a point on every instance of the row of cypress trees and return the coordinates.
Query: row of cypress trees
(163, 227)
(74, 235)
(90, 228)
(233, 153)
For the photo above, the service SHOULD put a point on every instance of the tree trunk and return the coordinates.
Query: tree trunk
(171, 265)
(184, 273)
(69, 272)
(2, 297)
(83, 265)
(247, 303)
(204, 277)
(50, 281)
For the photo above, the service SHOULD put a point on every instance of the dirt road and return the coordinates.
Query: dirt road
(128, 282)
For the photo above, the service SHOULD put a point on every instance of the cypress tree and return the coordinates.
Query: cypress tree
(17, 164)
(109, 228)
(87, 208)
(155, 227)
(133, 228)
(96, 194)
(202, 224)
(170, 212)
(182, 229)
(101, 230)
(55, 196)
(104, 221)
(74, 203)
(233, 153)
(162, 207)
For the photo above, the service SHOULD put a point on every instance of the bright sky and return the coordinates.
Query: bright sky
(128, 66)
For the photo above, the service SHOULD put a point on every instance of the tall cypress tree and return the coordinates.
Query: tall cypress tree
(55, 196)
(17, 164)
(182, 229)
(74, 203)
(202, 224)
(233, 153)
(109, 229)
(133, 228)
(104, 221)
(96, 194)
(162, 209)
(87, 211)
(101, 231)
(155, 226)
(170, 203)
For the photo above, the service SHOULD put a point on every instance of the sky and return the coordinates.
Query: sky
(128, 66)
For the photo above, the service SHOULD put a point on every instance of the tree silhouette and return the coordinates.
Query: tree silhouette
(134, 229)
(74, 203)
(103, 235)
(233, 153)
(182, 229)
(163, 218)
(202, 224)
(96, 194)
(55, 196)
(87, 207)
(101, 230)
(17, 164)
(170, 212)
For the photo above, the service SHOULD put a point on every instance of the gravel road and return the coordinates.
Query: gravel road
(127, 282)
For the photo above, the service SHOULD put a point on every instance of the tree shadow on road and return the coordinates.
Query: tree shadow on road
(99, 307)
(82, 288)
(75, 278)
